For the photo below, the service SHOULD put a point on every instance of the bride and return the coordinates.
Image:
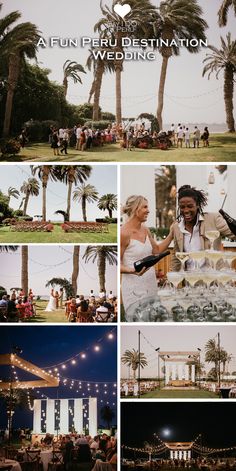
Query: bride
(137, 243)
(51, 306)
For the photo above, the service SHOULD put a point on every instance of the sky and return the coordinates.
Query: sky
(48, 346)
(184, 421)
(188, 96)
(54, 261)
(103, 177)
(174, 338)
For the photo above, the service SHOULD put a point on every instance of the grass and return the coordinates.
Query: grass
(58, 236)
(185, 394)
(222, 149)
(42, 316)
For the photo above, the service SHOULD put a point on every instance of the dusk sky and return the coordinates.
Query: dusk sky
(188, 96)
(48, 346)
(54, 261)
(103, 177)
(216, 422)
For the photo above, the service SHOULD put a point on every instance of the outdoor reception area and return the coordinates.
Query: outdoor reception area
(178, 435)
(178, 362)
(58, 405)
(178, 249)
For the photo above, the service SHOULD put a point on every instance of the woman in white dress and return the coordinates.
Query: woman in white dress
(137, 243)
(51, 306)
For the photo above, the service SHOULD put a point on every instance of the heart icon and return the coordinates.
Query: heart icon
(122, 10)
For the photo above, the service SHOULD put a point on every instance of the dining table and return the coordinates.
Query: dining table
(13, 463)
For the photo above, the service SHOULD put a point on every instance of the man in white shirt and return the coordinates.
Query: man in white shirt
(78, 134)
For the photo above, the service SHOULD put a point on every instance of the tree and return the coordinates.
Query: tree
(165, 183)
(14, 399)
(24, 268)
(8, 248)
(85, 194)
(133, 358)
(224, 59)
(73, 174)
(63, 283)
(45, 173)
(63, 213)
(107, 414)
(216, 356)
(75, 272)
(108, 202)
(71, 69)
(177, 19)
(5, 210)
(12, 193)
(223, 11)
(142, 12)
(29, 188)
(100, 67)
(103, 254)
(17, 43)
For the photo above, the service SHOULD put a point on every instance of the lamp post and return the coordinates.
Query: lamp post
(139, 393)
(199, 367)
(158, 367)
(219, 382)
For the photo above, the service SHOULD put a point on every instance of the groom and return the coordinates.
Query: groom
(61, 298)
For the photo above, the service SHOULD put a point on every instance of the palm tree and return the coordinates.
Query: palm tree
(142, 12)
(63, 213)
(165, 184)
(214, 355)
(103, 254)
(70, 174)
(8, 248)
(75, 272)
(107, 414)
(109, 202)
(85, 194)
(134, 358)
(24, 268)
(16, 44)
(223, 11)
(12, 192)
(224, 59)
(45, 173)
(100, 67)
(71, 69)
(29, 188)
(177, 19)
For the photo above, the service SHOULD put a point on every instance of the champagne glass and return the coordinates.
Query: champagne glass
(212, 236)
(214, 256)
(197, 256)
(228, 257)
(182, 257)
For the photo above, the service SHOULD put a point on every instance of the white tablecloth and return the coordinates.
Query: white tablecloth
(102, 466)
(15, 465)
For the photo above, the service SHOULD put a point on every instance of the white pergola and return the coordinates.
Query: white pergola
(178, 365)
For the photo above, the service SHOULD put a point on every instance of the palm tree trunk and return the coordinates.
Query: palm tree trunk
(102, 271)
(228, 97)
(26, 204)
(97, 90)
(69, 199)
(84, 208)
(24, 268)
(44, 214)
(118, 69)
(75, 272)
(161, 91)
(65, 85)
(13, 75)
(92, 90)
(110, 213)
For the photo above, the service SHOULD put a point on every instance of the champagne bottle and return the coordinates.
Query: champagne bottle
(230, 221)
(149, 261)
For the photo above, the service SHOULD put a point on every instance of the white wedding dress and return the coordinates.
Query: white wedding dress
(135, 287)
(51, 306)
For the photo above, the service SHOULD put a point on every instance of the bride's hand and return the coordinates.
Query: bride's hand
(140, 273)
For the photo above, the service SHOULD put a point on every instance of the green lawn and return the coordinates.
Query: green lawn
(185, 394)
(42, 316)
(58, 236)
(222, 148)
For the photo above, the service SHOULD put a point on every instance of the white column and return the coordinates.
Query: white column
(189, 454)
(173, 371)
(171, 454)
(176, 454)
(64, 416)
(193, 373)
(93, 427)
(50, 416)
(78, 415)
(185, 454)
(180, 371)
(37, 416)
(167, 373)
(180, 454)
(186, 376)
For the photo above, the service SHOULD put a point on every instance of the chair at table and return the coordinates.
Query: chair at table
(102, 466)
(56, 462)
(33, 461)
(11, 453)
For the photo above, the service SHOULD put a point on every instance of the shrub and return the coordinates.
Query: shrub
(9, 147)
(98, 124)
(39, 130)
(9, 221)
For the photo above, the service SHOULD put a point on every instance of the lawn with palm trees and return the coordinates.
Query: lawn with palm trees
(58, 236)
(180, 394)
(222, 148)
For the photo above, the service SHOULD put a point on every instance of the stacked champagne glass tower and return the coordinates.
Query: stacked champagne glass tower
(202, 291)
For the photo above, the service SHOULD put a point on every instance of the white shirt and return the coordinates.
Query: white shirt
(78, 132)
(187, 134)
(192, 242)
(181, 134)
(61, 132)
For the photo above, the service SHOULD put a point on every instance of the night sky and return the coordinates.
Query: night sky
(184, 421)
(46, 346)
